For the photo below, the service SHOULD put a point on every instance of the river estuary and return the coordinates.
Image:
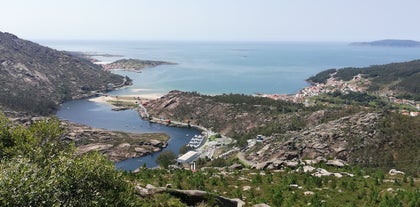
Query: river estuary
(100, 115)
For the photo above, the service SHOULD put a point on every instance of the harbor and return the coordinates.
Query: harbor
(196, 141)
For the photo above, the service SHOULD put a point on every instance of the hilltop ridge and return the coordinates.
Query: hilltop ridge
(400, 79)
(388, 43)
(34, 78)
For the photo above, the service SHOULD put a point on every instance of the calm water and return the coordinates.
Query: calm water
(101, 116)
(214, 68)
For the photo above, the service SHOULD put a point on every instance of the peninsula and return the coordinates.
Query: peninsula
(134, 64)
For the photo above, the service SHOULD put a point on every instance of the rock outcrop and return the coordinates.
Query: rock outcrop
(189, 197)
(331, 142)
(116, 145)
(220, 113)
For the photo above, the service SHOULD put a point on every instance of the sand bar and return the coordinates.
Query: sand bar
(126, 98)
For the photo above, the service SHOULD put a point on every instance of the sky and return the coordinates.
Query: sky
(212, 20)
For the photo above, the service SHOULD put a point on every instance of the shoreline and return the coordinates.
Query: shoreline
(141, 100)
(124, 98)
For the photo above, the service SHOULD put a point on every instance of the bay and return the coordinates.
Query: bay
(235, 67)
(212, 68)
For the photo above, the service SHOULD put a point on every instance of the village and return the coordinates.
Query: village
(357, 84)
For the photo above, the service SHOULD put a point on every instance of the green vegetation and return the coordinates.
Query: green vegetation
(135, 64)
(166, 158)
(397, 147)
(402, 78)
(124, 104)
(37, 79)
(366, 188)
(355, 98)
(38, 169)
(184, 149)
(247, 102)
(322, 76)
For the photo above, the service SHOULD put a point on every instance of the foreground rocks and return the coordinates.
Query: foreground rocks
(116, 145)
(189, 197)
(332, 142)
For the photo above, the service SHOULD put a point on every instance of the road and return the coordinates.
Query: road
(244, 161)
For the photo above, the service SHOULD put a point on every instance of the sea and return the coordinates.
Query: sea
(234, 67)
(212, 68)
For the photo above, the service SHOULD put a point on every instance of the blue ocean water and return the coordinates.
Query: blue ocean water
(235, 67)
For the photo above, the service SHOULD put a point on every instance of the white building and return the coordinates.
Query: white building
(189, 158)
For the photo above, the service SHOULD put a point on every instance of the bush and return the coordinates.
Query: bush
(39, 169)
(166, 158)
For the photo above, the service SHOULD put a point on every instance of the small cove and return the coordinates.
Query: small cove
(100, 115)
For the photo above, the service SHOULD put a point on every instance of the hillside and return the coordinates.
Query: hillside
(38, 169)
(400, 79)
(230, 114)
(333, 129)
(388, 43)
(34, 78)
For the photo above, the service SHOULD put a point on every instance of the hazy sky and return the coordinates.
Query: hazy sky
(242, 20)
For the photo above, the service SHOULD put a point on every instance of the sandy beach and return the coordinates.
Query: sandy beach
(126, 98)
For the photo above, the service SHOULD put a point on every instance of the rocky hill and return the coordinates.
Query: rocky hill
(229, 114)
(355, 134)
(399, 79)
(36, 79)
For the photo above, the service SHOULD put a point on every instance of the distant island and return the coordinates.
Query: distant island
(134, 64)
(388, 43)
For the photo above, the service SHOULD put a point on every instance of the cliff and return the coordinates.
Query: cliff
(35, 79)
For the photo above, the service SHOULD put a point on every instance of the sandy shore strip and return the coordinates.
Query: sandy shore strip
(141, 90)
(126, 98)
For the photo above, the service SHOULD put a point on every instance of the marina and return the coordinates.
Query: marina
(196, 141)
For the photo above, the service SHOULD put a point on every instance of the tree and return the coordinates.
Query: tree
(184, 149)
(166, 158)
(39, 169)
